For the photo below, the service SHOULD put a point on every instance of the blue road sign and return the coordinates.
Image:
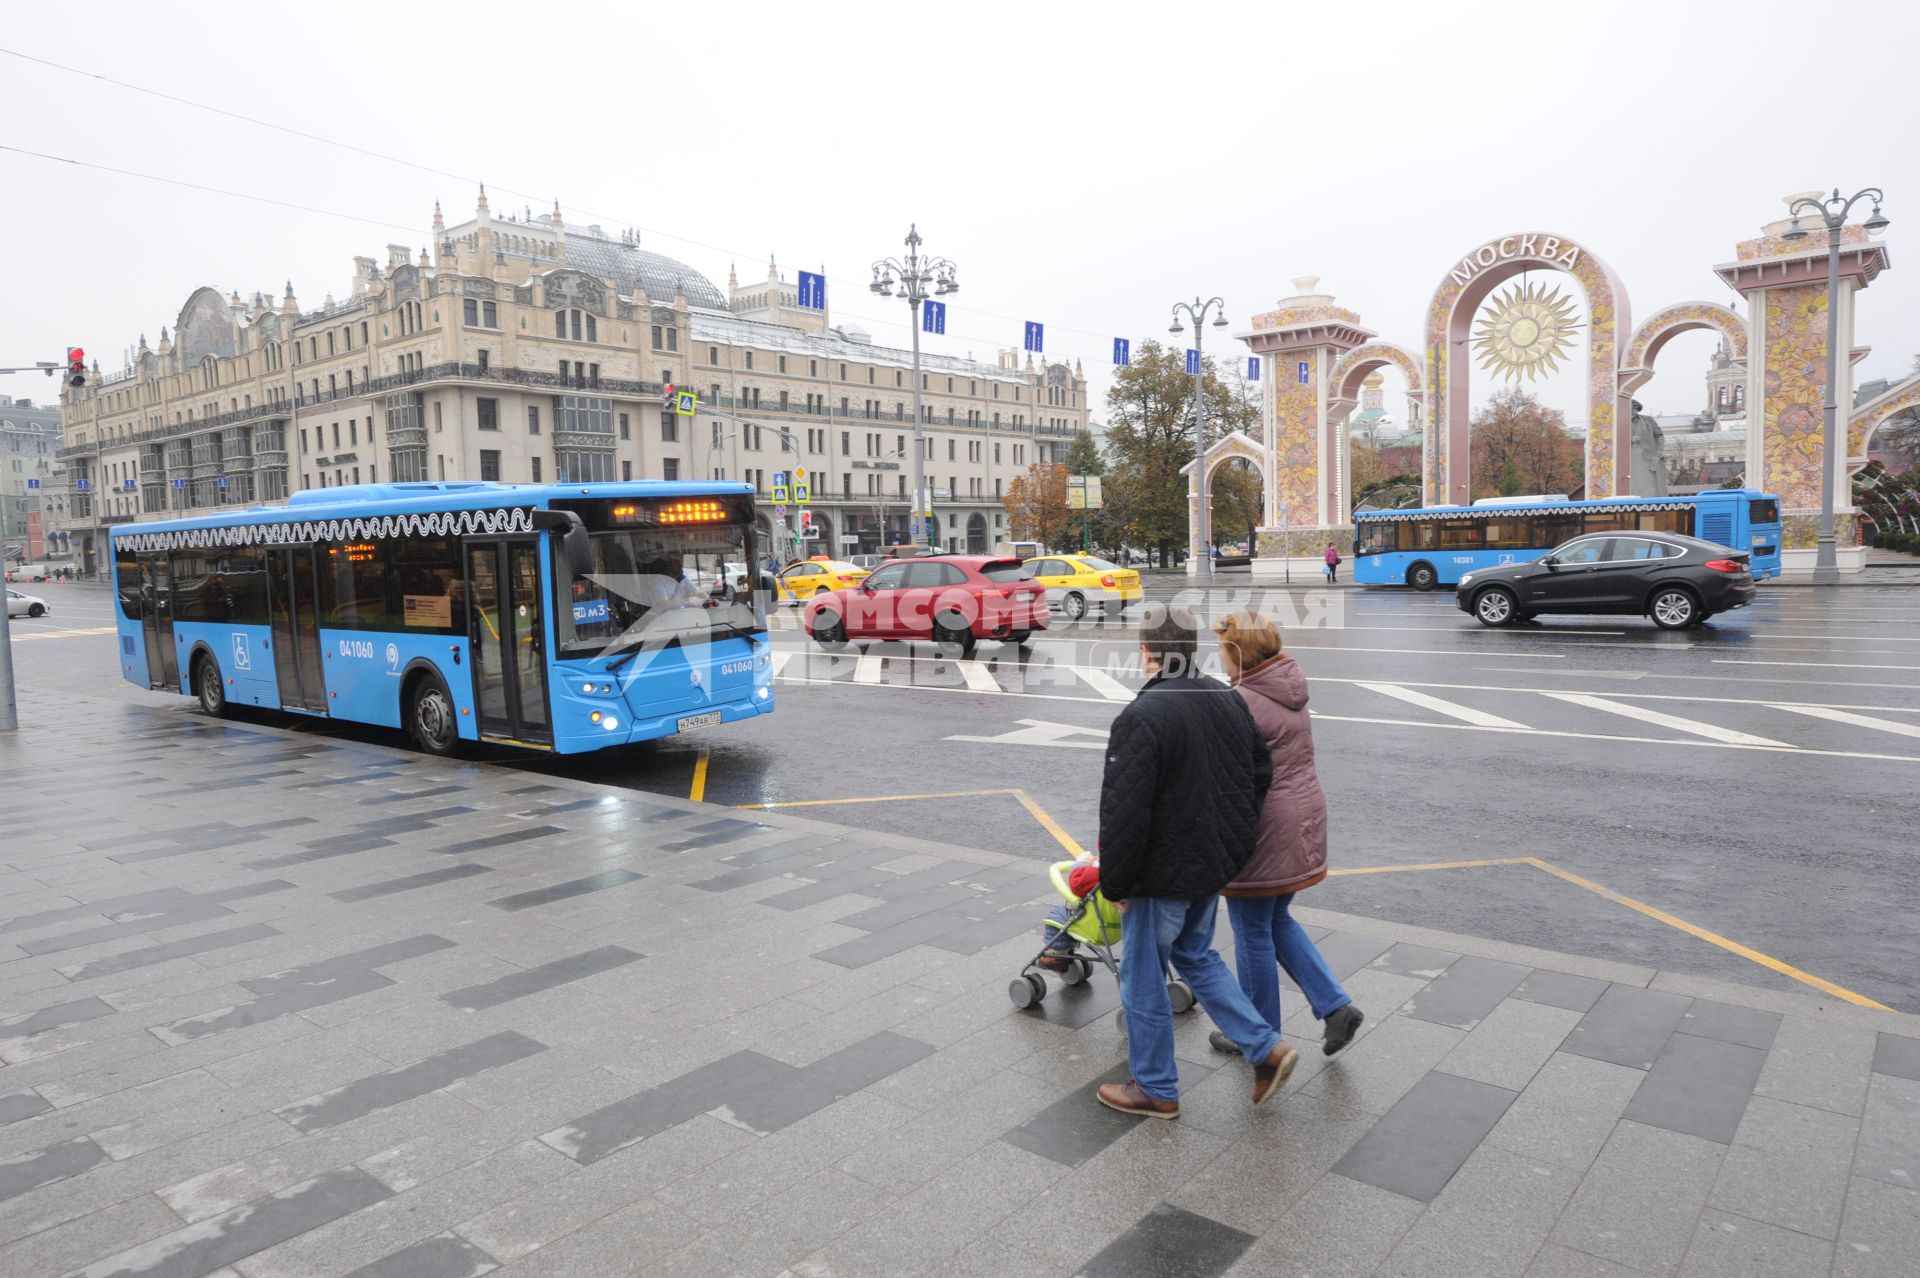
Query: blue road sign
(686, 403)
(802, 486)
(223, 481)
(83, 485)
(179, 483)
(779, 487)
(125, 487)
(933, 316)
(1253, 368)
(33, 483)
(1305, 372)
(813, 291)
(1122, 351)
(1036, 337)
(1193, 362)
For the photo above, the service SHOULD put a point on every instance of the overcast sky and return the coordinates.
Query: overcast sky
(1086, 165)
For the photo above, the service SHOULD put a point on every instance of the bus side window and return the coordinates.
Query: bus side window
(126, 568)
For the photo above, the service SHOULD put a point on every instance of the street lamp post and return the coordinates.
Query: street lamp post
(1833, 211)
(1198, 550)
(913, 274)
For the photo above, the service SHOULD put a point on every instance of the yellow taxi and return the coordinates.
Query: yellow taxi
(803, 580)
(1077, 582)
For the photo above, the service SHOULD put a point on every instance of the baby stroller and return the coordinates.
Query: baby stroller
(1093, 921)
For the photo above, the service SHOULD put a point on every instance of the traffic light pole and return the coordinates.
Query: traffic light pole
(9, 710)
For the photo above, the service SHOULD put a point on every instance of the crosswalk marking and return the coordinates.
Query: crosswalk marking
(25, 634)
(1466, 714)
(1857, 720)
(780, 659)
(978, 677)
(867, 669)
(1103, 683)
(1674, 721)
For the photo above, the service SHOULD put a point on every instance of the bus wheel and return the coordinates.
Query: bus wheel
(207, 686)
(1422, 576)
(1494, 606)
(430, 717)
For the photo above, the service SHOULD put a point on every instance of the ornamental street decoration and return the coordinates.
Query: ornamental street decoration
(1528, 329)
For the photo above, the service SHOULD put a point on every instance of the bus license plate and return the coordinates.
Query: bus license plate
(707, 720)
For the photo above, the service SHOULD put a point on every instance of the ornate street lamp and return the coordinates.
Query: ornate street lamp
(1199, 552)
(1833, 211)
(913, 275)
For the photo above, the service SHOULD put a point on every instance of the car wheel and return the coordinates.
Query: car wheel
(1074, 605)
(36, 610)
(207, 686)
(1495, 606)
(1673, 608)
(954, 636)
(1019, 638)
(1422, 576)
(431, 719)
(828, 631)
(819, 592)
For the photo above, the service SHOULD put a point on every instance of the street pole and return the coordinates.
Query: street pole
(1833, 211)
(1197, 549)
(9, 715)
(914, 273)
(922, 500)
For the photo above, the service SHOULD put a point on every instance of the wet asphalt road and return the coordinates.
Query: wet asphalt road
(1755, 779)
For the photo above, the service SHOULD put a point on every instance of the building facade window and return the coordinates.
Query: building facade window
(670, 468)
(488, 411)
(533, 419)
(490, 465)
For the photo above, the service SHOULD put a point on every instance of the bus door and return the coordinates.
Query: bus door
(507, 629)
(156, 621)
(296, 629)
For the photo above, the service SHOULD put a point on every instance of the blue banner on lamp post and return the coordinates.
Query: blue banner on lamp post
(933, 316)
(1122, 351)
(1193, 362)
(1036, 337)
(1253, 368)
(1305, 372)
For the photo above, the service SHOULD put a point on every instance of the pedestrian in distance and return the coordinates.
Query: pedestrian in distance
(1291, 853)
(1333, 563)
(1180, 800)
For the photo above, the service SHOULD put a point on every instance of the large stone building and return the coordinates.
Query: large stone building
(29, 440)
(525, 350)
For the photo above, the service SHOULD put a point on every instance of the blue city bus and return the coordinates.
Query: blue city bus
(555, 617)
(1433, 545)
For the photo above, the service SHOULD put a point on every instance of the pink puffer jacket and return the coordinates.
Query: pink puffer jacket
(1292, 850)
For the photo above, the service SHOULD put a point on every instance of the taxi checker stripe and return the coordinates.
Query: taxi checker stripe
(435, 523)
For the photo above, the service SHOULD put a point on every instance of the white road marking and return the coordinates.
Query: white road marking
(1104, 684)
(1822, 665)
(1040, 732)
(1465, 714)
(867, 669)
(978, 677)
(1660, 719)
(1448, 652)
(60, 634)
(780, 659)
(1857, 720)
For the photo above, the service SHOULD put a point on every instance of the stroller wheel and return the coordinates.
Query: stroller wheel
(1180, 995)
(1077, 971)
(1027, 989)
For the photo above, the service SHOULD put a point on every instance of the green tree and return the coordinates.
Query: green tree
(1083, 456)
(1150, 437)
(1237, 506)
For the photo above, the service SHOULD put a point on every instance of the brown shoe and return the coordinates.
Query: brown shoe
(1129, 1099)
(1274, 1071)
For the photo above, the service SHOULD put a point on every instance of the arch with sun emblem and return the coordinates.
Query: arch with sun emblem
(1529, 331)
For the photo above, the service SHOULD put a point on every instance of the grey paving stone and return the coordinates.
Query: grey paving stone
(1641, 1200)
(1510, 1045)
(814, 1087)
(1339, 1229)
(1417, 1145)
(44, 1167)
(534, 980)
(404, 796)
(22, 1105)
(1406, 959)
(507, 839)
(246, 891)
(783, 1229)
(1628, 1026)
(1075, 1127)
(158, 899)
(150, 955)
(73, 1013)
(1698, 1086)
(410, 882)
(634, 1118)
(189, 911)
(1347, 952)
(1169, 1242)
(1383, 1066)
(221, 1240)
(562, 891)
(1559, 989)
(1727, 1023)
(345, 845)
(1488, 1222)
(296, 998)
(445, 1255)
(1880, 1234)
(1813, 1062)
(1896, 1054)
(1555, 1261)
(1726, 1246)
(330, 968)
(1466, 993)
(1789, 1166)
(1889, 1147)
(381, 1091)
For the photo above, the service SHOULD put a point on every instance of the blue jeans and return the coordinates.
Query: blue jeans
(1265, 933)
(1160, 931)
(1058, 938)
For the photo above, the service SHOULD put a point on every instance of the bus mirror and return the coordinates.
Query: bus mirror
(574, 541)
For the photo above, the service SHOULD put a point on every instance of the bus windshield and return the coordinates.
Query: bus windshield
(663, 572)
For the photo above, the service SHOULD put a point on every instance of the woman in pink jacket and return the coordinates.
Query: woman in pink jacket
(1292, 850)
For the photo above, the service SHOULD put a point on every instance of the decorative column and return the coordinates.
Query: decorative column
(1299, 342)
(1784, 283)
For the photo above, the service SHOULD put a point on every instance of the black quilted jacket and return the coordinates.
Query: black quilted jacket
(1186, 775)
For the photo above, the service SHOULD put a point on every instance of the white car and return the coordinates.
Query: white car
(19, 605)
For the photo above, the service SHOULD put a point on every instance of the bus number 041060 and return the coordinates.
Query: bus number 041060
(357, 648)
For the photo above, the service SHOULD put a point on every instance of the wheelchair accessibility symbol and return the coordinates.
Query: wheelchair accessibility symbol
(242, 655)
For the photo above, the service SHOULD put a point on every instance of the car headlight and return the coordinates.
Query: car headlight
(1465, 577)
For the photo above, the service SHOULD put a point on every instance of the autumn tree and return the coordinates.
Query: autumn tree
(1365, 470)
(1036, 504)
(1237, 505)
(1522, 446)
(1150, 437)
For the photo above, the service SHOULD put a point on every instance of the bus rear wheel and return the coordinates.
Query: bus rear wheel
(208, 687)
(1422, 576)
(431, 718)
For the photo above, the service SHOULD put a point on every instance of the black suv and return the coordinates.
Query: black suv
(1678, 581)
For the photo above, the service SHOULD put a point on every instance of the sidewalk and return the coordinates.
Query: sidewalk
(275, 1004)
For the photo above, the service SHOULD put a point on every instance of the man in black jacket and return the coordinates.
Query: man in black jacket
(1186, 775)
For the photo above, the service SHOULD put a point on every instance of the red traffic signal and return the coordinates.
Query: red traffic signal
(666, 395)
(76, 366)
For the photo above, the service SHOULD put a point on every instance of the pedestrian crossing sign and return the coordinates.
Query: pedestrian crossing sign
(686, 402)
(802, 486)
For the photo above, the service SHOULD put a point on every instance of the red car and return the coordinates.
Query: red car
(950, 599)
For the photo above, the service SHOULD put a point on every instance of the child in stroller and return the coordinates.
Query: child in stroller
(1083, 917)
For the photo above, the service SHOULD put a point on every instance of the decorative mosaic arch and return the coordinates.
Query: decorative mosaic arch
(1235, 444)
(1872, 416)
(1636, 363)
(1449, 320)
(1352, 368)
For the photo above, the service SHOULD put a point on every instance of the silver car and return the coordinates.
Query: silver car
(19, 605)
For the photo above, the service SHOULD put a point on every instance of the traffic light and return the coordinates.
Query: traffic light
(76, 366)
(807, 531)
(666, 396)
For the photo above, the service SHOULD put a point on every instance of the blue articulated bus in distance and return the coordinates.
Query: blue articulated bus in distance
(555, 617)
(1432, 546)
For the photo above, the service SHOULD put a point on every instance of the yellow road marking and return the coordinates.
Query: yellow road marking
(1038, 813)
(699, 791)
(1432, 865)
(1047, 823)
